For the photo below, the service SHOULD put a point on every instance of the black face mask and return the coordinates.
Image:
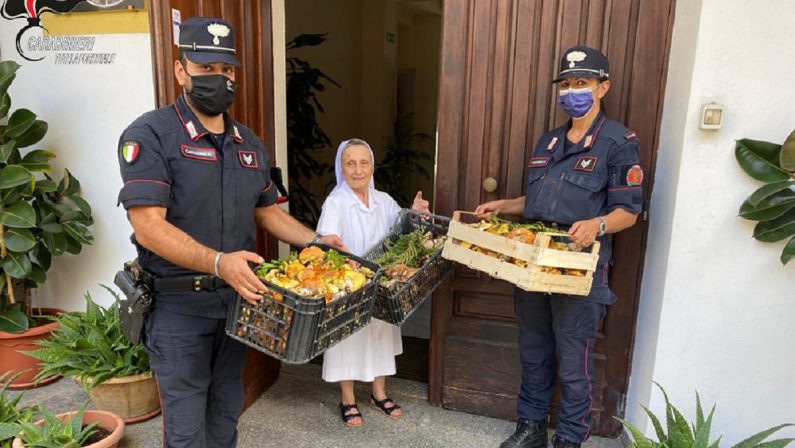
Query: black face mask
(211, 94)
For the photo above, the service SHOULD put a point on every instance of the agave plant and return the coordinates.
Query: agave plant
(11, 414)
(90, 346)
(681, 434)
(772, 205)
(56, 433)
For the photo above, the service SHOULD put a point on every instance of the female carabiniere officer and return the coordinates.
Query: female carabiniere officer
(585, 176)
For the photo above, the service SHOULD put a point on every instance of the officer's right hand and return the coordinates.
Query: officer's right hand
(234, 269)
(484, 211)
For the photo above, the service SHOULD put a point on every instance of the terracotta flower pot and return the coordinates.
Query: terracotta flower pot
(11, 360)
(134, 398)
(106, 420)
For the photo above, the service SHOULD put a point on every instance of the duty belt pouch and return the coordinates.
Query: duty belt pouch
(134, 308)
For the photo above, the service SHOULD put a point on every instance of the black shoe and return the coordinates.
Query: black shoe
(528, 434)
(558, 442)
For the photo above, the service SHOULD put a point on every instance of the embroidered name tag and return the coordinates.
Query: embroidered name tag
(539, 162)
(206, 154)
(248, 159)
(585, 164)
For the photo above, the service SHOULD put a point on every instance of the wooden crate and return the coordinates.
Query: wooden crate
(537, 256)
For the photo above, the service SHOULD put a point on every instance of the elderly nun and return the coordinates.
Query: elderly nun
(362, 217)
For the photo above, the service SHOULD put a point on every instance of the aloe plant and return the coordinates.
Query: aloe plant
(90, 346)
(40, 217)
(773, 204)
(681, 434)
(56, 433)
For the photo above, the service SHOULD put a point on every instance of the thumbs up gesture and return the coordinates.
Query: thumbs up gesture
(420, 204)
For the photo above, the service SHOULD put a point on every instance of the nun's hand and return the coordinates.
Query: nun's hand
(421, 205)
(334, 241)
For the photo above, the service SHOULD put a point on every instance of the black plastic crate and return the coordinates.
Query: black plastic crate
(395, 304)
(295, 329)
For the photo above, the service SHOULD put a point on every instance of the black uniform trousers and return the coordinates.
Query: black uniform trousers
(563, 327)
(199, 370)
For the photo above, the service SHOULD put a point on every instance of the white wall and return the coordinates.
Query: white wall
(717, 308)
(87, 107)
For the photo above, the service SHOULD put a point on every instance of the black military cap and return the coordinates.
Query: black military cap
(582, 61)
(206, 40)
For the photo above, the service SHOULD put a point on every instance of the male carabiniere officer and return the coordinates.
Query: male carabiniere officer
(584, 175)
(196, 187)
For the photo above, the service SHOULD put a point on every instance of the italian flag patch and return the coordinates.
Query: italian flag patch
(130, 151)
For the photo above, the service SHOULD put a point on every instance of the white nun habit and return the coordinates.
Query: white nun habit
(371, 351)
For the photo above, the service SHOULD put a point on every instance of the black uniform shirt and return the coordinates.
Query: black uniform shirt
(168, 159)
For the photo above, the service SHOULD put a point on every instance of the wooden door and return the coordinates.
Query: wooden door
(495, 101)
(253, 106)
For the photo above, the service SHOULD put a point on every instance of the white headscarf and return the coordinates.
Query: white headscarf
(342, 186)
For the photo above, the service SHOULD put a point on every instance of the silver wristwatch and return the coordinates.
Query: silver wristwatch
(602, 226)
(316, 239)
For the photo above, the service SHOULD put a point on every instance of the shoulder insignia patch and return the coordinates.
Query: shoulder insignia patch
(552, 144)
(630, 135)
(191, 129)
(635, 176)
(236, 133)
(130, 150)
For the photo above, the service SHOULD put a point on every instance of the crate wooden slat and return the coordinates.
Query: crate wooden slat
(537, 256)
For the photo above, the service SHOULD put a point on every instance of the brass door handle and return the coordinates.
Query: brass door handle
(489, 185)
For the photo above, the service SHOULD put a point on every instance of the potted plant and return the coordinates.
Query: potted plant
(773, 204)
(305, 137)
(11, 415)
(90, 347)
(88, 429)
(678, 433)
(40, 218)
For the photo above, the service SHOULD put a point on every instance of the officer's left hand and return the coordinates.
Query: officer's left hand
(583, 233)
(334, 241)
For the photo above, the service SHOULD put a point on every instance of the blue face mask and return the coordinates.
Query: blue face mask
(576, 102)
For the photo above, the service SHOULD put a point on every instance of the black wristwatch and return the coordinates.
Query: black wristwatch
(602, 226)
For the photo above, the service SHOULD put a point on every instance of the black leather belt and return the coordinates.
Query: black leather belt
(196, 283)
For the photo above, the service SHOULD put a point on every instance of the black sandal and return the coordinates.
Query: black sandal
(346, 418)
(382, 406)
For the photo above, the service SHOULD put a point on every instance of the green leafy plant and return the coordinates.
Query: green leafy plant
(305, 137)
(681, 434)
(11, 414)
(772, 205)
(56, 433)
(40, 218)
(402, 156)
(90, 346)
